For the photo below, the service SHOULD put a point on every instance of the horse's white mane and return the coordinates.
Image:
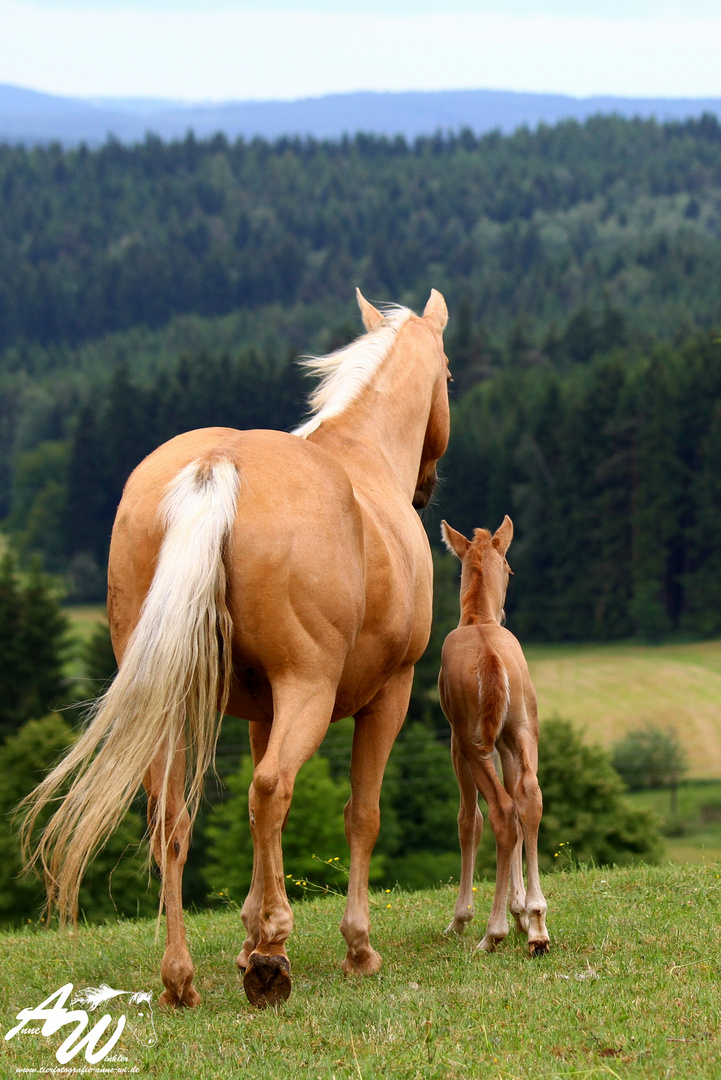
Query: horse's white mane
(345, 372)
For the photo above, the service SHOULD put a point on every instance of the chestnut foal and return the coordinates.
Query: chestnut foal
(489, 701)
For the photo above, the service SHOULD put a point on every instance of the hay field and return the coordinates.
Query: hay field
(607, 689)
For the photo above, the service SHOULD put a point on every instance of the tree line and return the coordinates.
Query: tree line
(95, 241)
(558, 243)
(610, 474)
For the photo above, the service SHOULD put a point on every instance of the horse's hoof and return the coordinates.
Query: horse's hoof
(538, 948)
(188, 999)
(369, 963)
(456, 927)
(490, 943)
(522, 924)
(267, 980)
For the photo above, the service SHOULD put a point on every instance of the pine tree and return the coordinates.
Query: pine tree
(33, 633)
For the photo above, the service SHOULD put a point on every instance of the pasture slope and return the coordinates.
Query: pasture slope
(605, 690)
(630, 990)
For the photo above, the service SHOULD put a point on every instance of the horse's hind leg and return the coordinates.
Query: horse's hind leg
(259, 734)
(517, 899)
(470, 828)
(177, 968)
(301, 715)
(528, 800)
(504, 822)
(376, 728)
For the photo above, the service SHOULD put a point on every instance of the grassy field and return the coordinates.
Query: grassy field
(693, 832)
(630, 990)
(607, 689)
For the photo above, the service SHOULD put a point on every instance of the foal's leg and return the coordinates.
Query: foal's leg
(528, 799)
(376, 728)
(301, 714)
(470, 828)
(259, 734)
(502, 816)
(177, 968)
(517, 900)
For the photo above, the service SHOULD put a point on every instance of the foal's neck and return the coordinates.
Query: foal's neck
(476, 603)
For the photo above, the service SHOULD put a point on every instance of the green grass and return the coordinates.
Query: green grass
(607, 689)
(693, 831)
(630, 989)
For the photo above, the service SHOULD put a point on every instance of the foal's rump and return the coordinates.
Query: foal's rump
(474, 686)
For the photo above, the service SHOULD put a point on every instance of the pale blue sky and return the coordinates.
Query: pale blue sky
(215, 50)
(415, 7)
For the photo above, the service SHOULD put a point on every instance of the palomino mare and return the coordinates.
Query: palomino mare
(285, 579)
(489, 700)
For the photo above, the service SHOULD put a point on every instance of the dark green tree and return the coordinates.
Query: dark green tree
(33, 642)
(117, 880)
(650, 757)
(314, 828)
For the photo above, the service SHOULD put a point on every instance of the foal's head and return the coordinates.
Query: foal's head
(485, 573)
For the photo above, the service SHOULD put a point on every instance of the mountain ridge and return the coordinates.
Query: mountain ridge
(31, 116)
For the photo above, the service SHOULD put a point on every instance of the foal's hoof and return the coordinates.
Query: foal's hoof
(538, 948)
(188, 998)
(267, 980)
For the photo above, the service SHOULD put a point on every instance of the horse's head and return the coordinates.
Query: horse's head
(485, 573)
(439, 424)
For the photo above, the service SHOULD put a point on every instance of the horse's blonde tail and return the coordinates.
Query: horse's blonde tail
(494, 695)
(174, 676)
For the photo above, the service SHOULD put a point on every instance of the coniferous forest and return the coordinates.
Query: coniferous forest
(152, 289)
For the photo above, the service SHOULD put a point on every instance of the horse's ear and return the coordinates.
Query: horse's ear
(436, 311)
(371, 316)
(454, 541)
(503, 536)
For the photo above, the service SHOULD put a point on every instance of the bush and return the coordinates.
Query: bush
(315, 827)
(114, 884)
(584, 804)
(649, 757)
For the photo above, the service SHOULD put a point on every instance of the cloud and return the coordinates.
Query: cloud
(223, 53)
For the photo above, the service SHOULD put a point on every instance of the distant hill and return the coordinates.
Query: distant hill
(27, 116)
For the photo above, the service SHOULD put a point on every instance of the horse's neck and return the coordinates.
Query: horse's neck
(380, 436)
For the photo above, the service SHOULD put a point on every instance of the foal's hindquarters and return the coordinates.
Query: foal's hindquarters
(488, 698)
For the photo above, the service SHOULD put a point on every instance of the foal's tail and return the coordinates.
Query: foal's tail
(174, 675)
(494, 695)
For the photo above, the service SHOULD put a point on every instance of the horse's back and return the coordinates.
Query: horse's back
(300, 589)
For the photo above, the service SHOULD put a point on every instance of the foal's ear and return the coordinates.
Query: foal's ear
(436, 311)
(503, 536)
(454, 541)
(371, 316)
